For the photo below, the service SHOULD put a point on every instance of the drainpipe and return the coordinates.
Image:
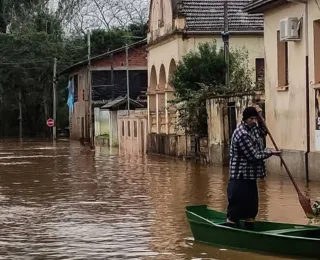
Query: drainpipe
(308, 119)
(307, 91)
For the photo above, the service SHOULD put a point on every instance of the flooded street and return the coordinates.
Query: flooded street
(60, 202)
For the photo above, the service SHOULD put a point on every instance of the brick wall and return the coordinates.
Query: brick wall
(137, 57)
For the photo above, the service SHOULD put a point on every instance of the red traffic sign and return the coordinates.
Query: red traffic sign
(50, 122)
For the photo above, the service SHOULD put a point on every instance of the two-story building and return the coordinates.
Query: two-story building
(177, 27)
(292, 82)
(109, 84)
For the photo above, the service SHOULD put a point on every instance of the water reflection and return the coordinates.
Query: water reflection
(60, 202)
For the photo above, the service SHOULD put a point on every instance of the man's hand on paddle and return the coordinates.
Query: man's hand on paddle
(258, 108)
(276, 152)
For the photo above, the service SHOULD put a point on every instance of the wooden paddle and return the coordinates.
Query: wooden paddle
(304, 201)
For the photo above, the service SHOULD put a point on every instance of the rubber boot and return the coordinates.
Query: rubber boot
(248, 225)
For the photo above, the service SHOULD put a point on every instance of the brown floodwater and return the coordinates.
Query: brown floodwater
(61, 202)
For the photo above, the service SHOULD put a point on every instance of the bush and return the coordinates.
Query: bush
(201, 74)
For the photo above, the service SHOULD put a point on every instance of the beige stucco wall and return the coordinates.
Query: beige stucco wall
(254, 44)
(175, 48)
(286, 109)
(163, 54)
(155, 15)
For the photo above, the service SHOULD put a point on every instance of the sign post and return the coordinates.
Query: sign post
(318, 133)
(50, 123)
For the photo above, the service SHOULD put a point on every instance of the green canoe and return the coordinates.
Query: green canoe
(208, 226)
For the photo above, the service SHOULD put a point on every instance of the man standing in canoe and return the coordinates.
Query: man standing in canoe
(247, 155)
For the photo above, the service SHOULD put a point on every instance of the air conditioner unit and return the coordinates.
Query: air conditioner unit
(290, 29)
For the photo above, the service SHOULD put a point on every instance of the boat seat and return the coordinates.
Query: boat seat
(288, 230)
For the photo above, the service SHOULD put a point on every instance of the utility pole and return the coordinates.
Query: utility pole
(20, 115)
(128, 80)
(90, 124)
(127, 68)
(112, 77)
(225, 38)
(54, 129)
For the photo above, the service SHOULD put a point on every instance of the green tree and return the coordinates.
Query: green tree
(105, 40)
(201, 74)
(26, 66)
(139, 30)
(15, 11)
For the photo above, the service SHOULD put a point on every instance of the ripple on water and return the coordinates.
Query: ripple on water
(60, 203)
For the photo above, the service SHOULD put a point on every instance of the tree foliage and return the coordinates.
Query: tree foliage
(201, 74)
(105, 40)
(26, 66)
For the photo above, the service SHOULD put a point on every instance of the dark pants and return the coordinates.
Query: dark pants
(243, 200)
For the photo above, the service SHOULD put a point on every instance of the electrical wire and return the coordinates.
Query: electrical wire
(317, 4)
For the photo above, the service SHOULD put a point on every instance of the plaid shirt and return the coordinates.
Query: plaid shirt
(247, 152)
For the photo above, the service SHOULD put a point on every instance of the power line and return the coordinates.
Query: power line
(23, 62)
(60, 62)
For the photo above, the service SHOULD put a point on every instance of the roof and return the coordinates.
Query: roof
(101, 56)
(208, 15)
(259, 6)
(120, 101)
